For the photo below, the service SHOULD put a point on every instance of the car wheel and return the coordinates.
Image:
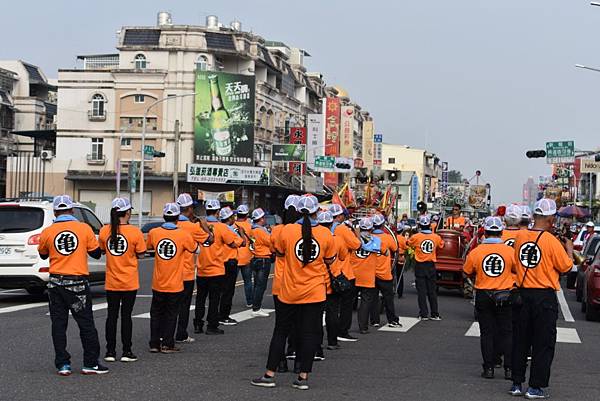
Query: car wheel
(467, 289)
(591, 314)
(35, 290)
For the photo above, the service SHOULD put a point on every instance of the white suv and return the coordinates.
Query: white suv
(21, 223)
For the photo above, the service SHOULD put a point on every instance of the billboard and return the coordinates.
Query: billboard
(332, 135)
(477, 196)
(297, 137)
(367, 151)
(224, 118)
(316, 139)
(377, 149)
(589, 166)
(346, 131)
(288, 153)
(213, 174)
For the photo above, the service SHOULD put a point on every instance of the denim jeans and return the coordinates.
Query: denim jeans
(78, 300)
(261, 267)
(248, 286)
(123, 300)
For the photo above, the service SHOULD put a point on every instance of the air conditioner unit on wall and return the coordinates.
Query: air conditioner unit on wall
(47, 155)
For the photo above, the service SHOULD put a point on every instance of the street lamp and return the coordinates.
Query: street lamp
(595, 3)
(586, 67)
(141, 212)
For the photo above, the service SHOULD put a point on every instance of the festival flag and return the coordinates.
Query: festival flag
(385, 201)
(337, 196)
(368, 193)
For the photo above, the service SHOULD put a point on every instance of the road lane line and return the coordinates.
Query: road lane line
(15, 308)
(95, 307)
(12, 291)
(566, 335)
(564, 307)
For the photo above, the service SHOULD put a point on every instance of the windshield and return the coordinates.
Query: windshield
(16, 219)
(592, 246)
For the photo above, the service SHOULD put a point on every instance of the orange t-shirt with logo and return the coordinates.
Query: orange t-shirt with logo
(171, 246)
(364, 265)
(493, 266)
(547, 261)
(262, 242)
(212, 258)
(352, 244)
(384, 259)
(304, 283)
(402, 245)
(230, 253)
(455, 223)
(244, 254)
(425, 246)
(121, 260)
(279, 260)
(199, 235)
(67, 243)
(509, 235)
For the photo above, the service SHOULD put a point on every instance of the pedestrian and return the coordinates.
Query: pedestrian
(171, 244)
(364, 263)
(244, 255)
(307, 248)
(68, 242)
(199, 235)
(227, 217)
(123, 245)
(343, 230)
(211, 270)
(384, 281)
(541, 258)
(493, 265)
(425, 244)
(456, 221)
(261, 263)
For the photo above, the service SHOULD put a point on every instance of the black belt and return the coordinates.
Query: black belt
(63, 277)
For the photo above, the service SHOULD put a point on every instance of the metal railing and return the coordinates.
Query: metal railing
(96, 159)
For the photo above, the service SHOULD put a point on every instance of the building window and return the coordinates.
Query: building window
(140, 62)
(139, 99)
(202, 63)
(97, 149)
(391, 160)
(98, 102)
(126, 143)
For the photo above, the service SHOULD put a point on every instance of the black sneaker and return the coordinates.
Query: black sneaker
(128, 357)
(435, 317)
(300, 384)
(395, 325)
(347, 338)
(319, 356)
(110, 357)
(333, 347)
(94, 370)
(198, 328)
(228, 322)
(507, 374)
(211, 332)
(263, 381)
(488, 373)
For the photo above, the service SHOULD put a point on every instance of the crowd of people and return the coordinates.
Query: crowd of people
(323, 262)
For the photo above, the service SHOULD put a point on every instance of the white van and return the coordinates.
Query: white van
(21, 223)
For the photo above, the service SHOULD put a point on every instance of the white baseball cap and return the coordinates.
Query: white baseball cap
(525, 212)
(493, 223)
(121, 204)
(378, 220)
(400, 227)
(366, 223)
(212, 204)
(336, 210)
(514, 211)
(590, 224)
(225, 213)
(308, 203)
(184, 200)
(425, 220)
(325, 217)
(545, 207)
(243, 209)
(171, 209)
(258, 214)
(62, 202)
(291, 200)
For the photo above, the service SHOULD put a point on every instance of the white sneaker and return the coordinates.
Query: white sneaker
(188, 340)
(260, 313)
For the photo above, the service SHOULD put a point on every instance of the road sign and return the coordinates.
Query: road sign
(560, 152)
(324, 162)
(149, 150)
(590, 166)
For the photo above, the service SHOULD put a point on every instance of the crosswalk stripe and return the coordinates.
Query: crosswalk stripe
(563, 334)
(406, 322)
(95, 307)
(240, 316)
(564, 306)
(22, 307)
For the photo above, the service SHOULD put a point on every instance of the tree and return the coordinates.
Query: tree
(455, 176)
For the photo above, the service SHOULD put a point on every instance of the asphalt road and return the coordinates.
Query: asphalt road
(429, 361)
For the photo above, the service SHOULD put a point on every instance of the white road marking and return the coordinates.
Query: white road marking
(406, 322)
(563, 334)
(22, 307)
(12, 291)
(564, 307)
(95, 307)
(240, 316)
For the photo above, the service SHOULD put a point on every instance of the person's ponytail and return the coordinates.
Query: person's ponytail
(114, 226)
(306, 238)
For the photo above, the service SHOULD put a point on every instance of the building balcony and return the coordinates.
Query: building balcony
(92, 116)
(95, 159)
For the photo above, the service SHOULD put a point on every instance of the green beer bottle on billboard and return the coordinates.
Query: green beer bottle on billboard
(219, 120)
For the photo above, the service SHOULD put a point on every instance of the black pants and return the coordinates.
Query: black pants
(425, 277)
(124, 300)
(536, 327)
(346, 305)
(332, 317)
(367, 297)
(307, 319)
(183, 315)
(211, 287)
(163, 318)
(61, 300)
(386, 287)
(226, 302)
(495, 326)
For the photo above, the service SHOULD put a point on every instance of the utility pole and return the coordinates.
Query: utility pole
(176, 162)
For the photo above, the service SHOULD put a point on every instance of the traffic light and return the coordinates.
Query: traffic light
(158, 154)
(534, 154)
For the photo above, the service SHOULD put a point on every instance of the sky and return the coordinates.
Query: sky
(476, 82)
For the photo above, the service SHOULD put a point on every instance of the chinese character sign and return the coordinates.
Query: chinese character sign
(346, 131)
(368, 131)
(332, 132)
(224, 118)
(316, 139)
(297, 137)
(207, 173)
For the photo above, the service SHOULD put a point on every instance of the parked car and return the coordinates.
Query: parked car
(578, 241)
(590, 303)
(450, 262)
(588, 253)
(21, 223)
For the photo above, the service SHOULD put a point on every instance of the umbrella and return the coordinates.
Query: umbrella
(573, 211)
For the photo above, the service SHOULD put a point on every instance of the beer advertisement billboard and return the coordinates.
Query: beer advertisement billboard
(367, 151)
(288, 152)
(332, 135)
(224, 118)
(346, 131)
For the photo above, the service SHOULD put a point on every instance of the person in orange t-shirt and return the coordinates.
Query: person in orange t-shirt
(342, 229)
(171, 244)
(187, 222)
(210, 280)
(244, 255)
(307, 248)
(455, 221)
(492, 264)
(123, 245)
(68, 242)
(401, 236)
(262, 249)
(425, 243)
